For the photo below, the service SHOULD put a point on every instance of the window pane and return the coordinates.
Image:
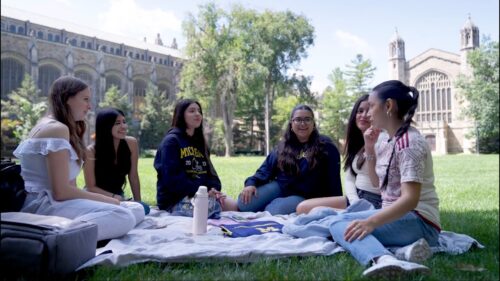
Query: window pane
(12, 75)
(47, 74)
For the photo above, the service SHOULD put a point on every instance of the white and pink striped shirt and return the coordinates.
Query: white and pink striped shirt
(412, 162)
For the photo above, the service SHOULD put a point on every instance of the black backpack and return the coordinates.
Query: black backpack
(12, 193)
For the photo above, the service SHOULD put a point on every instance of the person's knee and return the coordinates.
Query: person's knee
(242, 207)
(303, 208)
(281, 206)
(125, 218)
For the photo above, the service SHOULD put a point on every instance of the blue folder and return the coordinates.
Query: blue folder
(245, 229)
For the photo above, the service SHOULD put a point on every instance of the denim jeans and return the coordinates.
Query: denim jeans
(270, 198)
(404, 231)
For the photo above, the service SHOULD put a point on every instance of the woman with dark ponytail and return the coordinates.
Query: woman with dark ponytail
(400, 163)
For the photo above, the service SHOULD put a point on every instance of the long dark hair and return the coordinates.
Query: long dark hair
(104, 148)
(354, 141)
(407, 104)
(61, 90)
(198, 137)
(289, 147)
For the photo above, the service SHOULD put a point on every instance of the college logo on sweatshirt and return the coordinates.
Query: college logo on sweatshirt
(191, 151)
(194, 160)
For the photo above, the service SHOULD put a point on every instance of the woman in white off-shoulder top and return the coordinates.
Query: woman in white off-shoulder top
(51, 158)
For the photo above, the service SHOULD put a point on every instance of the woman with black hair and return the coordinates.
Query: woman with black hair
(183, 164)
(113, 157)
(357, 183)
(304, 165)
(401, 164)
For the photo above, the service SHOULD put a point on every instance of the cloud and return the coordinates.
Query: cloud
(127, 18)
(63, 2)
(354, 43)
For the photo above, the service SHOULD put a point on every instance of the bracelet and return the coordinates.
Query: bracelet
(369, 157)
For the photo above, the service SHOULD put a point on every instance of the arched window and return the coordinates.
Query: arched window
(438, 100)
(431, 141)
(139, 94)
(12, 75)
(57, 38)
(12, 28)
(434, 88)
(20, 30)
(82, 44)
(448, 97)
(89, 45)
(86, 77)
(163, 88)
(39, 35)
(50, 37)
(73, 42)
(46, 75)
(113, 80)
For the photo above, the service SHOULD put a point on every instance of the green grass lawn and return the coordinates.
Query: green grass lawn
(469, 201)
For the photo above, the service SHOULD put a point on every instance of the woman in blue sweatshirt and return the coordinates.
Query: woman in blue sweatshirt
(304, 165)
(183, 161)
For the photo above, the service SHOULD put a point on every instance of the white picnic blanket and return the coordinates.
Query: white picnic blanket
(162, 237)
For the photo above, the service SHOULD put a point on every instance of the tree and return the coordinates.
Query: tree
(212, 71)
(113, 98)
(335, 107)
(241, 56)
(156, 118)
(22, 109)
(282, 39)
(359, 74)
(480, 91)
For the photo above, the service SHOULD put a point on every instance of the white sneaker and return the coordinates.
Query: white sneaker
(393, 268)
(418, 252)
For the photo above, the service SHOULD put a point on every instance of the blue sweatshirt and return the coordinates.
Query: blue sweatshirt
(181, 168)
(323, 180)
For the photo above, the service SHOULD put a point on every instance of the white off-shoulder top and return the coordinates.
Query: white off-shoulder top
(32, 155)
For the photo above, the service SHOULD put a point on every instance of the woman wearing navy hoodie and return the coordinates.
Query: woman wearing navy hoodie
(183, 161)
(304, 165)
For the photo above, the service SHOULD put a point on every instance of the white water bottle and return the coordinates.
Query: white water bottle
(200, 212)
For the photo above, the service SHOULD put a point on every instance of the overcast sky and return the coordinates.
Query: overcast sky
(342, 28)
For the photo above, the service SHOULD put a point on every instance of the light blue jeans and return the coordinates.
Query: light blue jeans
(270, 198)
(404, 231)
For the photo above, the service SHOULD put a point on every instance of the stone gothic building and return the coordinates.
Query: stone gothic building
(434, 73)
(46, 48)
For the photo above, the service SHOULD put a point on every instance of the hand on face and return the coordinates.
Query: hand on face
(371, 136)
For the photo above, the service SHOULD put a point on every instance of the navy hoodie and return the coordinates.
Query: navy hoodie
(181, 167)
(322, 181)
